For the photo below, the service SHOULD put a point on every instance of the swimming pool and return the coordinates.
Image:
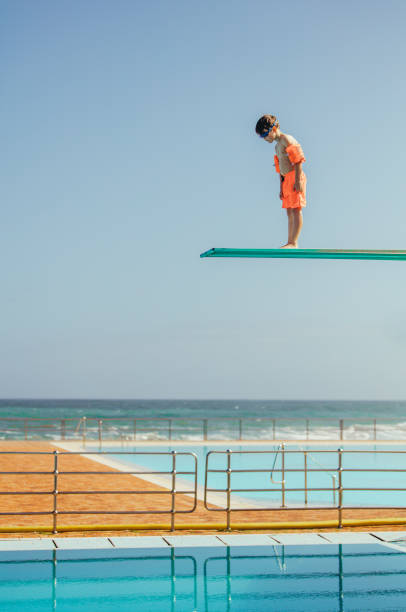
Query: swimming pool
(275, 577)
(322, 472)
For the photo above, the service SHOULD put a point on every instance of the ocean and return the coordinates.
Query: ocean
(258, 419)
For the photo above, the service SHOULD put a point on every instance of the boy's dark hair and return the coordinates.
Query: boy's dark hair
(265, 123)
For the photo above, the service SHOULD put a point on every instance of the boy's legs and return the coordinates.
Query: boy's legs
(295, 222)
(290, 225)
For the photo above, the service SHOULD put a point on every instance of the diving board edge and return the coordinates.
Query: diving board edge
(393, 255)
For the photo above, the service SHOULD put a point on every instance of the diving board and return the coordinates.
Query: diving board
(307, 254)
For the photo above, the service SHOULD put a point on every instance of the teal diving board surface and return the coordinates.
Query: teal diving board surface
(307, 254)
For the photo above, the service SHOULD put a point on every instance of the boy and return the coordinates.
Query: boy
(288, 162)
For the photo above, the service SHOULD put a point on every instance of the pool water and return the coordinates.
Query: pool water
(326, 577)
(317, 459)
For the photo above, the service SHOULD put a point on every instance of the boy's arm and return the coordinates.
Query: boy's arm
(296, 158)
(298, 176)
(280, 188)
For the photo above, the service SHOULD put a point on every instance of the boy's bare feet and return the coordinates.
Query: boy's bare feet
(289, 245)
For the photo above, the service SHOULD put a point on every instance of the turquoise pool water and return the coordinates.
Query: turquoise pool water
(317, 459)
(220, 579)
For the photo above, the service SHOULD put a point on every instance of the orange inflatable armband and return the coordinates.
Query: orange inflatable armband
(276, 160)
(295, 154)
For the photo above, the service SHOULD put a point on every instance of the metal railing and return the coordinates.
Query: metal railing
(56, 472)
(248, 497)
(214, 428)
(251, 495)
(306, 455)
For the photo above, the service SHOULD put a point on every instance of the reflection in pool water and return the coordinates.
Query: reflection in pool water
(211, 579)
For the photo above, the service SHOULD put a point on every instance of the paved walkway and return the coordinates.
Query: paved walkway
(396, 539)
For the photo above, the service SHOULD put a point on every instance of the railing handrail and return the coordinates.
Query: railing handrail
(333, 476)
(280, 448)
(284, 489)
(173, 472)
(57, 472)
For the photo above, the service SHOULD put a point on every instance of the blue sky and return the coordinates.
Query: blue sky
(129, 148)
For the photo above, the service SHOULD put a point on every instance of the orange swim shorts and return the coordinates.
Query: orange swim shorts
(290, 197)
